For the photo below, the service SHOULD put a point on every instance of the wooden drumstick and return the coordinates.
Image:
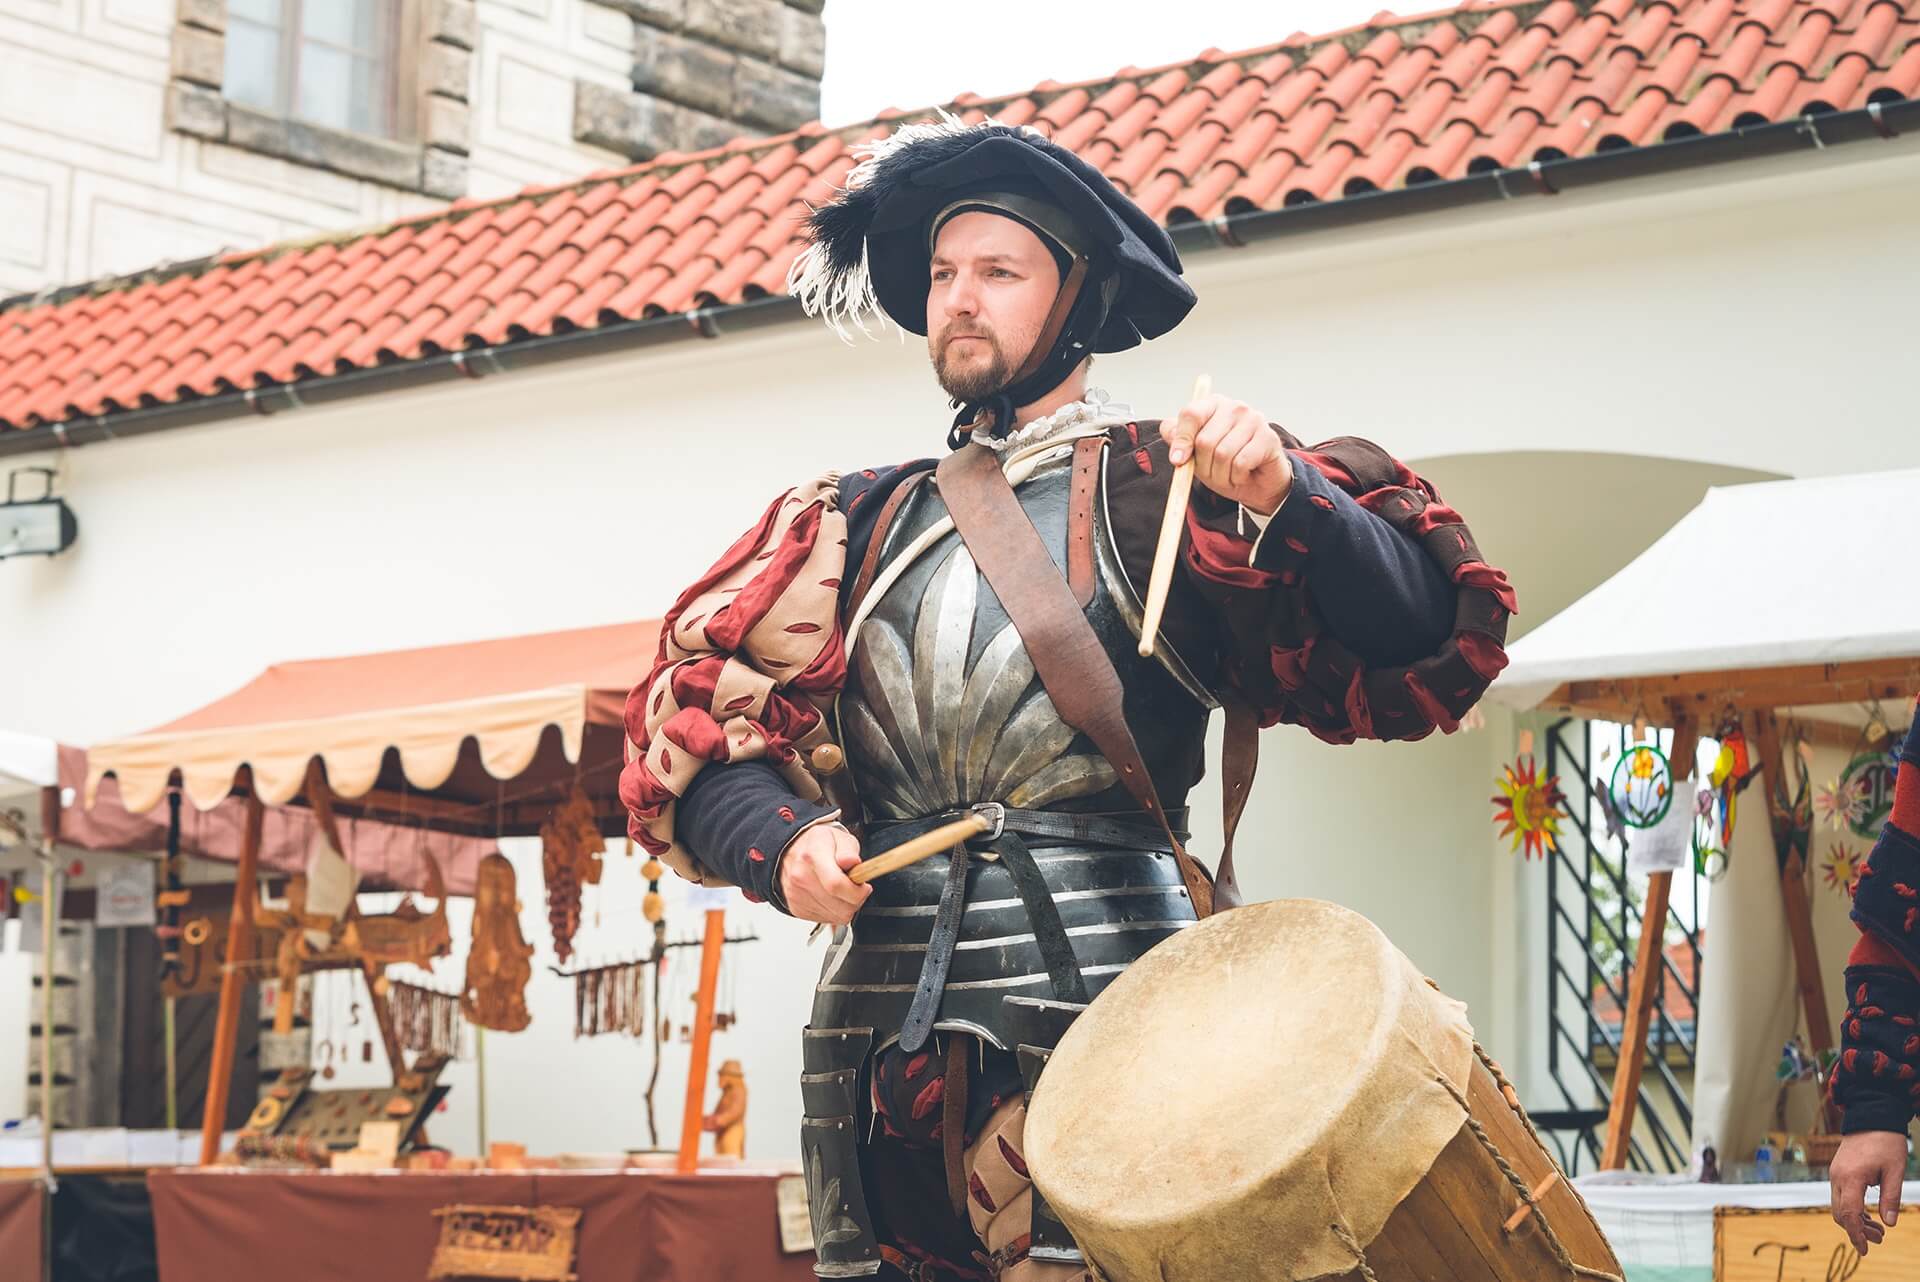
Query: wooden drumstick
(1171, 524)
(912, 851)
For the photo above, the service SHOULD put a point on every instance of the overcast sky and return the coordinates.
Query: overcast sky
(915, 53)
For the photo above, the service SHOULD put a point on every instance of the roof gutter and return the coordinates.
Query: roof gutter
(1876, 121)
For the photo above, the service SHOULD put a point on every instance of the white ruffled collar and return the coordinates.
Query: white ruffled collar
(1077, 418)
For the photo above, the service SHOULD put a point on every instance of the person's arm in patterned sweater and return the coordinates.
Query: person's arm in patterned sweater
(1877, 1082)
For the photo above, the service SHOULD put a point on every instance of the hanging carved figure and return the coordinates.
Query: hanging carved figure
(498, 963)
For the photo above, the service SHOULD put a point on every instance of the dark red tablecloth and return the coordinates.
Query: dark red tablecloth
(20, 1212)
(244, 1226)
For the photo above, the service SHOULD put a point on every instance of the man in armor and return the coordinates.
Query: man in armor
(889, 649)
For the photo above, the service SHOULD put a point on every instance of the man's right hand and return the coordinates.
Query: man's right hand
(813, 875)
(1867, 1158)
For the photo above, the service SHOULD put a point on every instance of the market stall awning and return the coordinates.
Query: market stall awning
(1773, 594)
(483, 737)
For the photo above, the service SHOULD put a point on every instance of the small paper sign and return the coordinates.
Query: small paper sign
(1667, 846)
(125, 894)
(796, 1221)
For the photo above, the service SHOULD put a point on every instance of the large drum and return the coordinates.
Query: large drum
(1278, 1093)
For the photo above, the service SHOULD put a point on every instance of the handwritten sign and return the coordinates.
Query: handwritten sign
(1803, 1244)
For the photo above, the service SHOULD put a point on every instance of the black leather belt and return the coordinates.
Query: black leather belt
(1005, 842)
(1130, 830)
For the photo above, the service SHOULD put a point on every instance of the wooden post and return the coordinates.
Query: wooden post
(49, 948)
(389, 1038)
(1647, 967)
(1793, 896)
(232, 981)
(710, 948)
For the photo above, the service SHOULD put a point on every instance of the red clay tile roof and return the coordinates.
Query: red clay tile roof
(1392, 103)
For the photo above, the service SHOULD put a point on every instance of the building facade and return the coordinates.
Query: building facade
(135, 133)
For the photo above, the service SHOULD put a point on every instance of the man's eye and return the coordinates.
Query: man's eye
(942, 274)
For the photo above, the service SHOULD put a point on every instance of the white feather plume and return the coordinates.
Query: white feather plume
(848, 301)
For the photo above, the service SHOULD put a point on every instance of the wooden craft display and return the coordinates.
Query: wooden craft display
(533, 1243)
(425, 1020)
(611, 999)
(371, 941)
(308, 1125)
(570, 850)
(499, 962)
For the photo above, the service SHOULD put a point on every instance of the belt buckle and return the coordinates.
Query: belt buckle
(995, 811)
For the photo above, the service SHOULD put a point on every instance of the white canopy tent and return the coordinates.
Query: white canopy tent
(1766, 597)
(1769, 576)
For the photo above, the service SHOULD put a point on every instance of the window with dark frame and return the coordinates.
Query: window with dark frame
(333, 63)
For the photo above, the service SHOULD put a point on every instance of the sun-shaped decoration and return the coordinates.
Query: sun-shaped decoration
(1529, 807)
(1642, 786)
(1840, 867)
(1841, 802)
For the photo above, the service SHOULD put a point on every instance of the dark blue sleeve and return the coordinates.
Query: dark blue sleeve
(1376, 589)
(737, 818)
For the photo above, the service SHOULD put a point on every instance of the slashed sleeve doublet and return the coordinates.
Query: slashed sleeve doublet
(1363, 610)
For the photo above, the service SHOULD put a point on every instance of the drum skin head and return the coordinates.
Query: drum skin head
(1264, 1074)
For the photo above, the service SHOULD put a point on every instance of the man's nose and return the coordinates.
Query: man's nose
(961, 299)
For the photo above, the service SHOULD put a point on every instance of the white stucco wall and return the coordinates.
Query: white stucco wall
(92, 182)
(1752, 322)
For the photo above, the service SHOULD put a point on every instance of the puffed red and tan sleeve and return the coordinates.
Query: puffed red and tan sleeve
(749, 657)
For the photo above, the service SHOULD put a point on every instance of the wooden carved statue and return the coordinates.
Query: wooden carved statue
(498, 965)
(729, 1117)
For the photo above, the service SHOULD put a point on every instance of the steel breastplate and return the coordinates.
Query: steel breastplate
(942, 710)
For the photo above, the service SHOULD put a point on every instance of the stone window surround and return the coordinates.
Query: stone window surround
(433, 162)
(707, 72)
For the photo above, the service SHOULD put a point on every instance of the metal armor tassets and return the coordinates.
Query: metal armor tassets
(942, 711)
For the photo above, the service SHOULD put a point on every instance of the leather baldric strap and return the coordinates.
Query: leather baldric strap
(870, 563)
(953, 1121)
(1239, 759)
(1086, 479)
(1067, 657)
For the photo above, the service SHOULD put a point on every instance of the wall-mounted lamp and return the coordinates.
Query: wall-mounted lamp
(39, 526)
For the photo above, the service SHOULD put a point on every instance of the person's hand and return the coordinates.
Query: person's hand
(1867, 1158)
(1235, 452)
(813, 875)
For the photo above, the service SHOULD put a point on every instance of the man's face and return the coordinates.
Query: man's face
(993, 283)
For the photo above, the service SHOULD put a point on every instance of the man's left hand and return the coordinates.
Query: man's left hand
(1235, 452)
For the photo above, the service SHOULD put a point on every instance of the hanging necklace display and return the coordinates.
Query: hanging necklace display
(610, 999)
(426, 1020)
(1642, 786)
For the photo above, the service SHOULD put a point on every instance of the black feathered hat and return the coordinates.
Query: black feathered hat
(872, 248)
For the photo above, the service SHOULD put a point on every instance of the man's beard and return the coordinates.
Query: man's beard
(971, 382)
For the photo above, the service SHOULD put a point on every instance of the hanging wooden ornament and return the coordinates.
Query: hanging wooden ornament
(1641, 789)
(570, 850)
(1530, 808)
(498, 965)
(426, 1020)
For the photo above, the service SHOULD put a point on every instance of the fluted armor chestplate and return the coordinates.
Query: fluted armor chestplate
(942, 710)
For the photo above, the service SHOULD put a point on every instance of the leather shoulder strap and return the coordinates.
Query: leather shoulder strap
(1087, 453)
(1239, 759)
(870, 563)
(1067, 656)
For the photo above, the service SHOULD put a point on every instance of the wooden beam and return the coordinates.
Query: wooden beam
(1793, 895)
(1647, 970)
(1796, 685)
(232, 982)
(710, 948)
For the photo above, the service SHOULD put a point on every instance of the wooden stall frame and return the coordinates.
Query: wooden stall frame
(1756, 694)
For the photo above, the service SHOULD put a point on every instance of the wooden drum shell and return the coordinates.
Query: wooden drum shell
(1452, 1227)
